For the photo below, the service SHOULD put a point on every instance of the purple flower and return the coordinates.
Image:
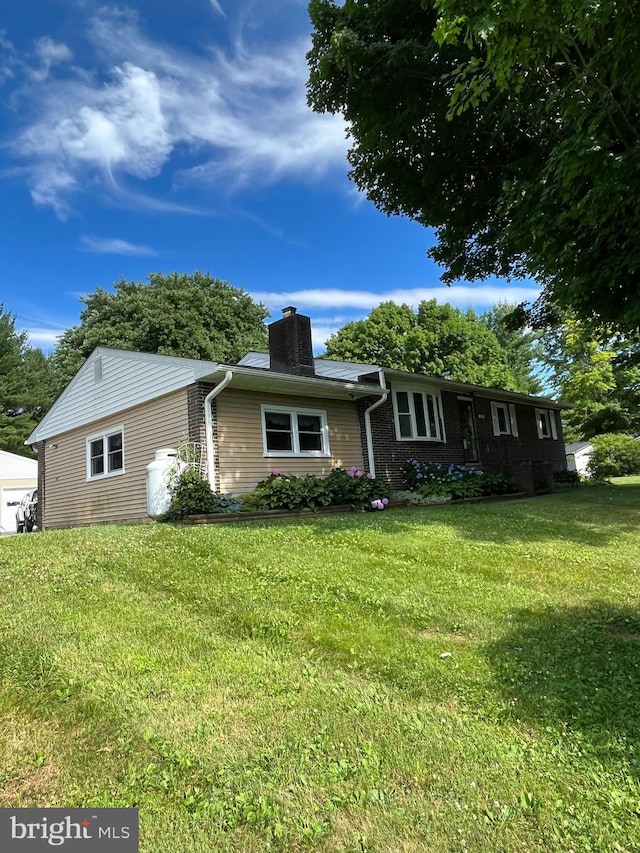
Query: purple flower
(377, 504)
(358, 474)
(276, 472)
(385, 501)
(369, 476)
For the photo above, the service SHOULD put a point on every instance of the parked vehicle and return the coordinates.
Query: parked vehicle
(26, 514)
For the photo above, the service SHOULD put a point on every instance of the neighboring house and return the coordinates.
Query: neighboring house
(578, 455)
(18, 475)
(282, 410)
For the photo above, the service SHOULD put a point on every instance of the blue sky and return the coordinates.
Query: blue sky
(157, 135)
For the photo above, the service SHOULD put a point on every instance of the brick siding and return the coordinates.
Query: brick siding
(196, 395)
(529, 460)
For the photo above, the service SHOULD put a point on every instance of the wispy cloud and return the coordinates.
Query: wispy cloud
(458, 295)
(114, 246)
(238, 116)
(217, 7)
(48, 53)
(7, 58)
(44, 338)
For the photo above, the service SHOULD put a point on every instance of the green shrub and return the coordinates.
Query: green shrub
(286, 491)
(497, 484)
(567, 478)
(192, 495)
(614, 455)
(436, 478)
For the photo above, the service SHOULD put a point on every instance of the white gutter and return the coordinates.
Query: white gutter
(367, 422)
(208, 425)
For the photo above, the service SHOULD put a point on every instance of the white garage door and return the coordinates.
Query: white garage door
(11, 497)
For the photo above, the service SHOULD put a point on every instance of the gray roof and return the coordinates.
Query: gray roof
(577, 446)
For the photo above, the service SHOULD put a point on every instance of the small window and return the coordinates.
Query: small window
(294, 432)
(418, 416)
(504, 419)
(546, 423)
(105, 454)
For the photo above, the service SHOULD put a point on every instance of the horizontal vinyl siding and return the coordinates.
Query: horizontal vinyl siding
(71, 500)
(242, 463)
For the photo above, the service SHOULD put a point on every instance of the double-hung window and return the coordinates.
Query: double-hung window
(418, 415)
(294, 432)
(105, 454)
(546, 423)
(503, 416)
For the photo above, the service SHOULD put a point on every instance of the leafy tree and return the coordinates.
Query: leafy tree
(521, 345)
(614, 455)
(27, 385)
(513, 129)
(435, 339)
(194, 316)
(603, 390)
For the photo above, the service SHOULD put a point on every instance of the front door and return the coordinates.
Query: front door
(469, 434)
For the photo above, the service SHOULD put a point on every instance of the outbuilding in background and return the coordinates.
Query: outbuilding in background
(578, 455)
(18, 475)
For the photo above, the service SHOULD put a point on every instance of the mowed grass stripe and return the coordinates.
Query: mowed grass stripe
(456, 678)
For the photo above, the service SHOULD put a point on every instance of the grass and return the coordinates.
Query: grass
(436, 679)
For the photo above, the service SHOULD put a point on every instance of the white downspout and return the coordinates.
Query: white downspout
(208, 426)
(367, 423)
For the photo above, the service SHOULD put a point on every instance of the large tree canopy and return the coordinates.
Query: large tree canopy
(603, 388)
(26, 385)
(513, 129)
(194, 316)
(522, 347)
(434, 340)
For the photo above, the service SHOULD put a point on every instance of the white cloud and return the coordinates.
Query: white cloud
(114, 246)
(459, 295)
(239, 116)
(48, 53)
(44, 338)
(359, 302)
(320, 334)
(7, 58)
(217, 7)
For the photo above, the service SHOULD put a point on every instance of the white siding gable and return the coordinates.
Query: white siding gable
(15, 467)
(111, 381)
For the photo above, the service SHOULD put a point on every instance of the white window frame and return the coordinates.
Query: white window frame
(294, 411)
(509, 417)
(548, 416)
(104, 435)
(410, 390)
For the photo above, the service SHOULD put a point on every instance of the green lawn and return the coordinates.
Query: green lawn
(461, 678)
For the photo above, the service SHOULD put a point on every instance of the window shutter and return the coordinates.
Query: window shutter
(539, 424)
(552, 421)
(494, 417)
(512, 418)
(443, 435)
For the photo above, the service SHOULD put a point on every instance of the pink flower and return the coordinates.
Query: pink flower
(369, 476)
(276, 472)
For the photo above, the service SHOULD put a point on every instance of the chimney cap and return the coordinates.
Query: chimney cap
(288, 311)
